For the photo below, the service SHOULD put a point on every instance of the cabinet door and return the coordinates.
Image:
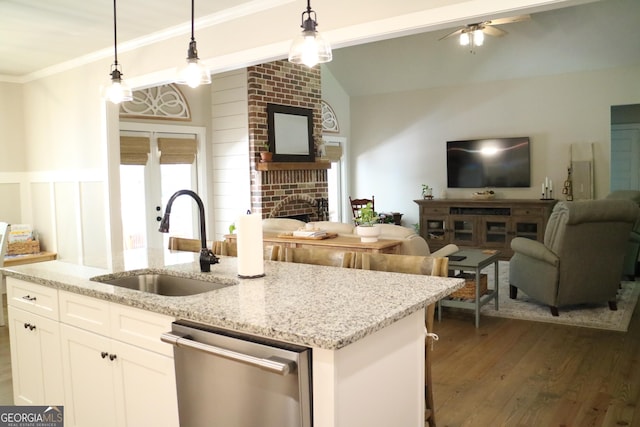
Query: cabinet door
(463, 230)
(26, 369)
(145, 387)
(496, 232)
(531, 228)
(435, 231)
(35, 359)
(88, 382)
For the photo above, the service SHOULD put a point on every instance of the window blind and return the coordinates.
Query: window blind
(134, 150)
(174, 151)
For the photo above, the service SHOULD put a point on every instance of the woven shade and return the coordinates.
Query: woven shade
(134, 150)
(333, 152)
(177, 151)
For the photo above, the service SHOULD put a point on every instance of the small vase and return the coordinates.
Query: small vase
(368, 233)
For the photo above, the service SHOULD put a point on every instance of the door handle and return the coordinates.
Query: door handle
(272, 364)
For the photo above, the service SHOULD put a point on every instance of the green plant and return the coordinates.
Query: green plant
(232, 228)
(367, 216)
(426, 190)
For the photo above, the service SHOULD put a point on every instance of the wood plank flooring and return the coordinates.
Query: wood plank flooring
(514, 373)
(520, 373)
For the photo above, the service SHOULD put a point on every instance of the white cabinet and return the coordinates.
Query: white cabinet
(34, 335)
(119, 379)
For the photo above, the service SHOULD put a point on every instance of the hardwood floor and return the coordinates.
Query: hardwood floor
(514, 373)
(520, 373)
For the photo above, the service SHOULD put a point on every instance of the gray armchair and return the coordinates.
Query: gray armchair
(633, 247)
(581, 258)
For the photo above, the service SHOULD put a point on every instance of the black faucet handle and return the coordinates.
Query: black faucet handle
(207, 258)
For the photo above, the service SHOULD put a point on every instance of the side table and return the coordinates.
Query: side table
(475, 260)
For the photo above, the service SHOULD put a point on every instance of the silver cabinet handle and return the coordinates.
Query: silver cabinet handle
(272, 364)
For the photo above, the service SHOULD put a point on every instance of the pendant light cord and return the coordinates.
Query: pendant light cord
(192, 19)
(115, 35)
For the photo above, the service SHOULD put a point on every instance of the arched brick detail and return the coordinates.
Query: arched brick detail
(292, 199)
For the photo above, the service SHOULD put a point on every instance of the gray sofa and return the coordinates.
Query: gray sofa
(581, 258)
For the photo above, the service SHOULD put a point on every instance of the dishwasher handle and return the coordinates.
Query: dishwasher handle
(273, 364)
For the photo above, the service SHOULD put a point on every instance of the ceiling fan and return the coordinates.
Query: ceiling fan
(473, 34)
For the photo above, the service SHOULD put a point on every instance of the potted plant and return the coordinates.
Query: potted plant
(368, 228)
(427, 192)
(266, 155)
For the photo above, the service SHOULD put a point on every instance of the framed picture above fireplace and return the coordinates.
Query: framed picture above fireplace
(290, 133)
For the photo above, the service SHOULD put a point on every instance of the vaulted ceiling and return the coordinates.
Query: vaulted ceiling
(36, 34)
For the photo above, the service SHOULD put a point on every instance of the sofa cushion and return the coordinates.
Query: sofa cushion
(281, 225)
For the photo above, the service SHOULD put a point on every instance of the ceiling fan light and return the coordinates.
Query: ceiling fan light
(478, 37)
(464, 39)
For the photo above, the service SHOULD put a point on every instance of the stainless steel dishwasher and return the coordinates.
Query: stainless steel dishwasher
(226, 379)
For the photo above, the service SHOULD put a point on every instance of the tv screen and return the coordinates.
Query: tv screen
(495, 162)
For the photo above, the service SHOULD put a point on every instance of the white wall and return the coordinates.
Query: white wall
(398, 140)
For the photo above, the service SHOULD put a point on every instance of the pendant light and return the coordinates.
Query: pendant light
(195, 73)
(310, 48)
(118, 91)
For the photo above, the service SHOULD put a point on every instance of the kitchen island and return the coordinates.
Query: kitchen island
(365, 328)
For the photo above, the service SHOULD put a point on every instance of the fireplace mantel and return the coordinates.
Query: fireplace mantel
(289, 166)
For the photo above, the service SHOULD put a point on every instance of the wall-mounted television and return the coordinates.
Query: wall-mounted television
(491, 162)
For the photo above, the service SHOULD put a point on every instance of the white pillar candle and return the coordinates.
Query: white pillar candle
(550, 185)
(543, 189)
(250, 258)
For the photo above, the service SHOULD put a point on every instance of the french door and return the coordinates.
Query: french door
(150, 172)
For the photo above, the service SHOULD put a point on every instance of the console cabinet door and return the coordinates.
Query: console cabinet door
(496, 232)
(463, 230)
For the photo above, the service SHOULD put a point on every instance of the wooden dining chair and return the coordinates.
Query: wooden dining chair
(357, 204)
(412, 264)
(230, 248)
(326, 257)
(184, 244)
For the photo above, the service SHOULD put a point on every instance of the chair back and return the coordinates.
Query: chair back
(184, 244)
(357, 204)
(230, 248)
(590, 239)
(326, 257)
(409, 264)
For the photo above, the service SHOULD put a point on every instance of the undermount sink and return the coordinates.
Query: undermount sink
(163, 284)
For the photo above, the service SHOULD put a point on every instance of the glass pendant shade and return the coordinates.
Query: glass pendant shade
(194, 74)
(310, 48)
(118, 90)
(478, 37)
(464, 39)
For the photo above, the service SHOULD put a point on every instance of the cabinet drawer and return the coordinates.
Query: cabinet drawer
(85, 312)
(140, 328)
(33, 298)
(443, 210)
(526, 211)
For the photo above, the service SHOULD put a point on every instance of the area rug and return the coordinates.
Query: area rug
(597, 316)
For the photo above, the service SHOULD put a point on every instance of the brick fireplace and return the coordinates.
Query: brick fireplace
(284, 193)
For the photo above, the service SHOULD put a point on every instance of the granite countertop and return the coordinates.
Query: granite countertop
(322, 307)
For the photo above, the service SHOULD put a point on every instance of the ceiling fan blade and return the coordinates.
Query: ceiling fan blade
(509, 20)
(493, 31)
(455, 33)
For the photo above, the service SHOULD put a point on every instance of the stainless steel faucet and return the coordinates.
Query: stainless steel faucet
(207, 257)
